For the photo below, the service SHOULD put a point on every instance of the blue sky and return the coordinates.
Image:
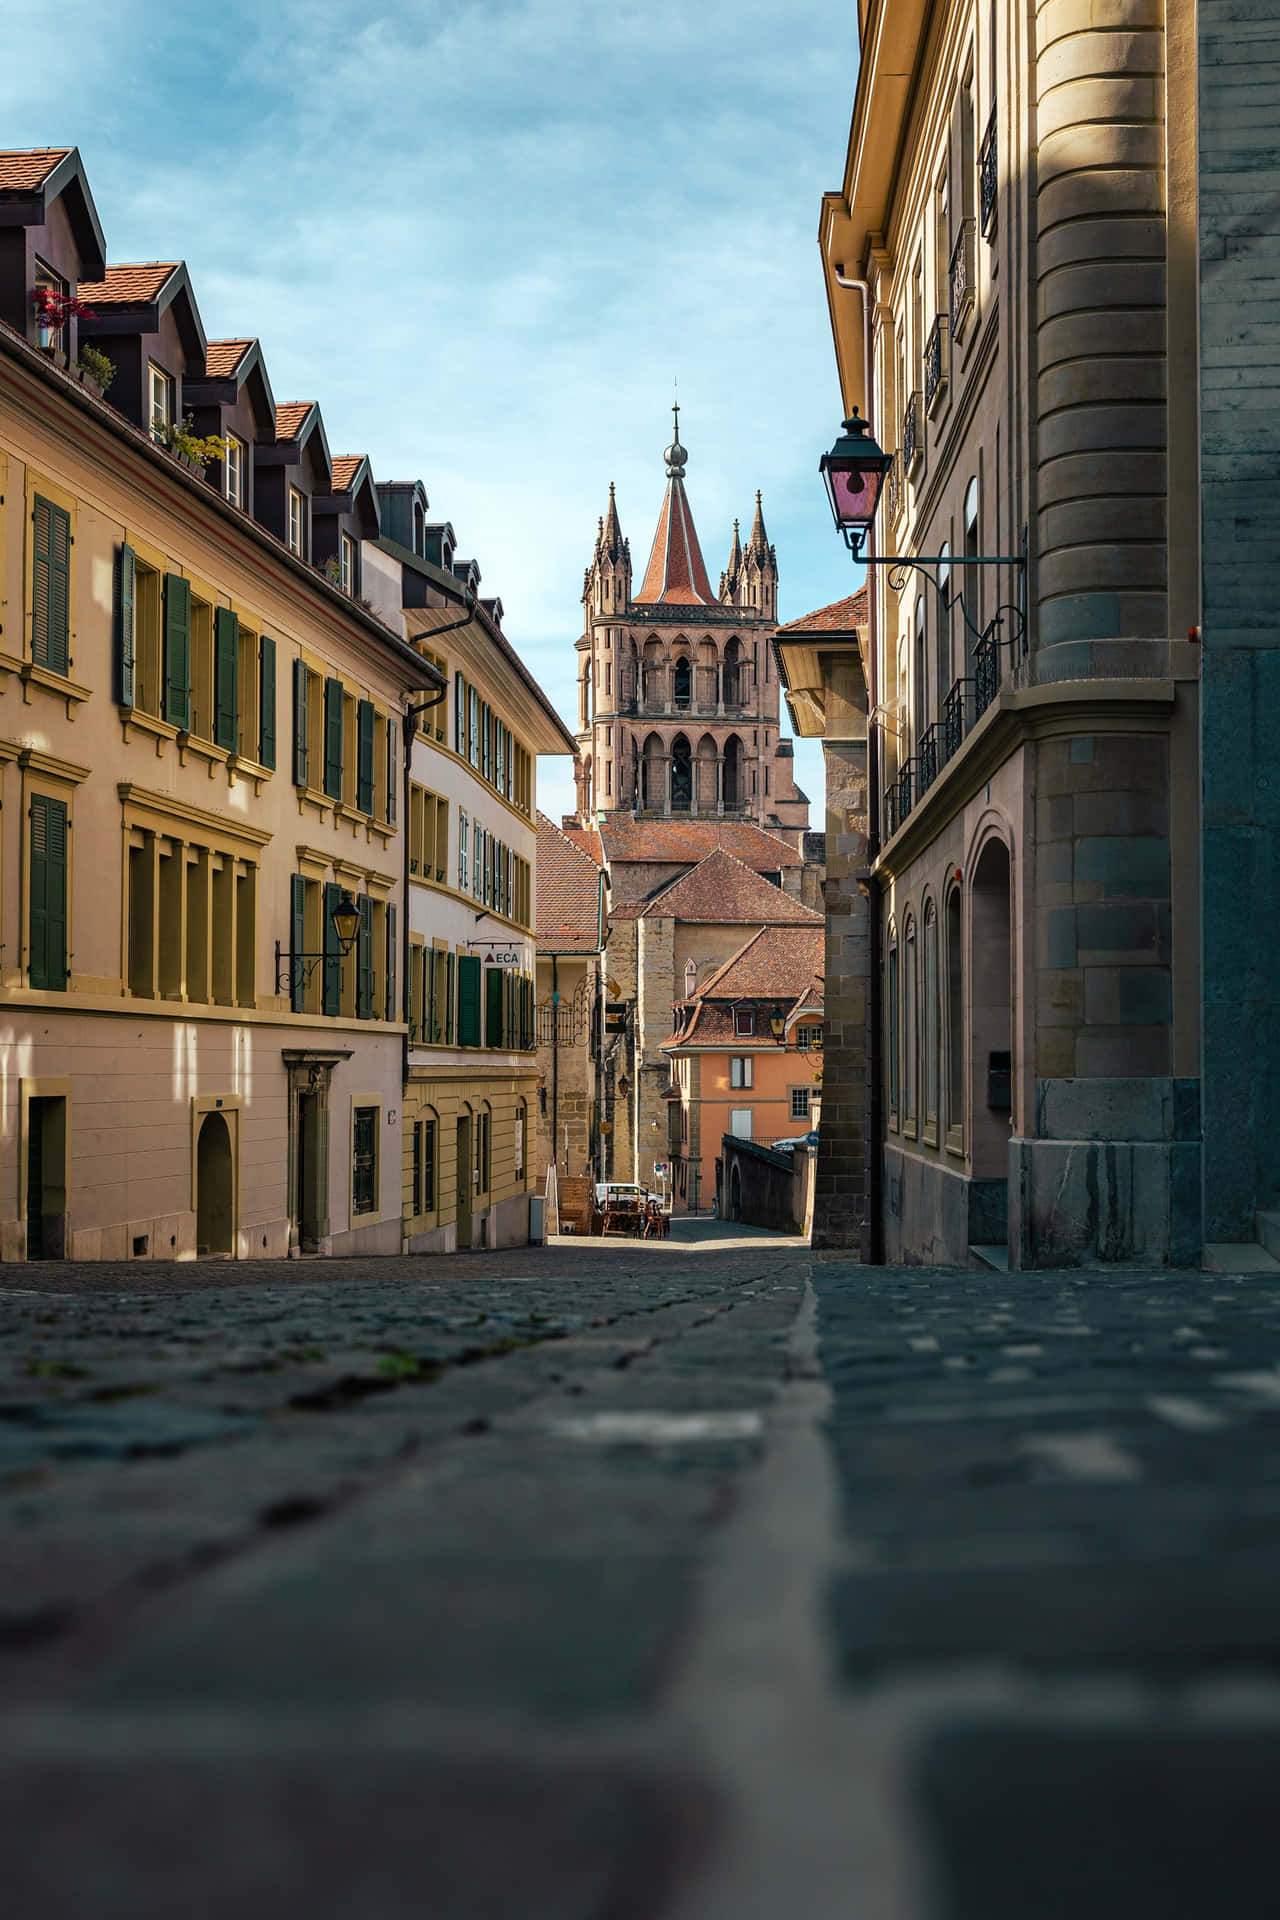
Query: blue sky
(486, 236)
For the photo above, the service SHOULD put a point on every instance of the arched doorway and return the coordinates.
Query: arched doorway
(215, 1187)
(464, 1180)
(991, 1017)
(681, 774)
(733, 783)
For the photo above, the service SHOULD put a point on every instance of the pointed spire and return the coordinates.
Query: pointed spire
(733, 572)
(735, 552)
(611, 530)
(676, 573)
(759, 540)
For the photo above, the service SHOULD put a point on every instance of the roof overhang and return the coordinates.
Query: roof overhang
(803, 661)
(65, 180)
(143, 316)
(250, 371)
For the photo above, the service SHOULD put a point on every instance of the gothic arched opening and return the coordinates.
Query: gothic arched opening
(651, 782)
(733, 772)
(731, 676)
(681, 774)
(706, 784)
(683, 682)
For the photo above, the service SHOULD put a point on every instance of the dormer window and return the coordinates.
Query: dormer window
(160, 400)
(744, 1020)
(419, 532)
(297, 523)
(50, 295)
(347, 563)
(233, 469)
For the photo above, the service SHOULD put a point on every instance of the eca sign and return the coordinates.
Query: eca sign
(508, 957)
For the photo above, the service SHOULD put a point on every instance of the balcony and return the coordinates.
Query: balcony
(906, 789)
(890, 823)
(962, 279)
(986, 672)
(927, 758)
(937, 361)
(989, 180)
(895, 488)
(913, 432)
(956, 709)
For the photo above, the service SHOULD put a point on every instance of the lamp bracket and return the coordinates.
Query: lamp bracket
(900, 566)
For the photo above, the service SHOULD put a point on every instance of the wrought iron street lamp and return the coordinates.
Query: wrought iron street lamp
(297, 968)
(853, 472)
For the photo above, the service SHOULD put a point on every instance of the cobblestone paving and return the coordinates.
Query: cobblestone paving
(630, 1581)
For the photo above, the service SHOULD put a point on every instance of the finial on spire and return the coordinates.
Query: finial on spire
(675, 455)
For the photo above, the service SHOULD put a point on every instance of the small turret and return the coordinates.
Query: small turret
(732, 574)
(759, 590)
(609, 576)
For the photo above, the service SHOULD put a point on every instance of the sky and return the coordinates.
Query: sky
(487, 236)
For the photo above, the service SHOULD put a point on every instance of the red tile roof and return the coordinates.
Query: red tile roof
(842, 616)
(588, 839)
(685, 842)
(781, 965)
(128, 286)
(22, 169)
(290, 417)
(676, 574)
(345, 467)
(222, 357)
(568, 888)
(720, 890)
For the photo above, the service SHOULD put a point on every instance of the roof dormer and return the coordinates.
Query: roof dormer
(50, 240)
(146, 321)
(344, 517)
(233, 399)
(404, 506)
(289, 472)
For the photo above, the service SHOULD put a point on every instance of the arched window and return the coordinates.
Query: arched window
(521, 1140)
(946, 671)
(731, 678)
(683, 682)
(734, 794)
(652, 792)
(681, 774)
(972, 575)
(931, 1015)
(706, 770)
(955, 1014)
(910, 1026)
(920, 684)
(893, 1028)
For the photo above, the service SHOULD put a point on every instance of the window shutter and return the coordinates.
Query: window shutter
(448, 998)
(393, 769)
(468, 1000)
(301, 756)
(459, 715)
(267, 702)
(226, 684)
(365, 718)
(297, 941)
(126, 624)
(333, 739)
(177, 650)
(431, 984)
(393, 1011)
(47, 900)
(494, 983)
(417, 1168)
(364, 960)
(332, 996)
(51, 596)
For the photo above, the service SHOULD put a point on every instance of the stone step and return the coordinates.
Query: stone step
(1238, 1256)
(996, 1259)
(1267, 1228)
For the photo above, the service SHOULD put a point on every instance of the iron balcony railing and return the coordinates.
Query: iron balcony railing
(895, 487)
(937, 360)
(956, 709)
(912, 431)
(962, 278)
(986, 672)
(989, 179)
(927, 758)
(906, 789)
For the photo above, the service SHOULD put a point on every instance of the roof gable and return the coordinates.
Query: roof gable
(722, 889)
(45, 174)
(569, 894)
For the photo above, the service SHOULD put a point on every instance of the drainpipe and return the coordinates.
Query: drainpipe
(555, 1058)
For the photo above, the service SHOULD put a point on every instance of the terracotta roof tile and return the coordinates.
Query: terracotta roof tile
(588, 839)
(345, 467)
(290, 417)
(776, 963)
(625, 837)
(568, 892)
(222, 357)
(128, 286)
(720, 890)
(23, 169)
(842, 616)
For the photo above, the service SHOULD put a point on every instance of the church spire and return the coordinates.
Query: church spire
(676, 574)
(729, 578)
(760, 570)
(759, 540)
(609, 545)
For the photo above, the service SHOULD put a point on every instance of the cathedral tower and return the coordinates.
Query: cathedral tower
(678, 697)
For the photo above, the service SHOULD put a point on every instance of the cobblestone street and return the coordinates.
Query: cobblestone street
(696, 1580)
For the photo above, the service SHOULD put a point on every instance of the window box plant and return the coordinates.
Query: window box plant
(96, 370)
(54, 307)
(195, 451)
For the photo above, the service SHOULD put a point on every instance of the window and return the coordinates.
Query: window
(740, 1122)
(744, 1020)
(191, 915)
(972, 579)
(945, 673)
(809, 1038)
(459, 714)
(50, 291)
(424, 1166)
(47, 894)
(920, 687)
(481, 1136)
(233, 470)
(893, 1027)
(800, 1103)
(50, 586)
(955, 1015)
(159, 399)
(522, 1115)
(297, 523)
(473, 727)
(364, 1160)
(463, 829)
(740, 1070)
(910, 1025)
(347, 571)
(930, 1012)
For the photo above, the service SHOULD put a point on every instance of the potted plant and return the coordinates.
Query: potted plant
(96, 369)
(54, 307)
(194, 450)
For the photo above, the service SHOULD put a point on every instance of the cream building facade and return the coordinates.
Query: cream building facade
(1011, 272)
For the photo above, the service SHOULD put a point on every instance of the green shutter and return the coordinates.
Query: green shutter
(332, 996)
(364, 959)
(297, 941)
(51, 586)
(333, 739)
(226, 680)
(177, 650)
(495, 981)
(301, 757)
(126, 624)
(365, 718)
(448, 999)
(469, 1000)
(393, 769)
(460, 715)
(48, 894)
(267, 702)
(431, 988)
(393, 1011)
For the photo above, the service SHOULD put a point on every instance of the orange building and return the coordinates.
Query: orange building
(746, 1055)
